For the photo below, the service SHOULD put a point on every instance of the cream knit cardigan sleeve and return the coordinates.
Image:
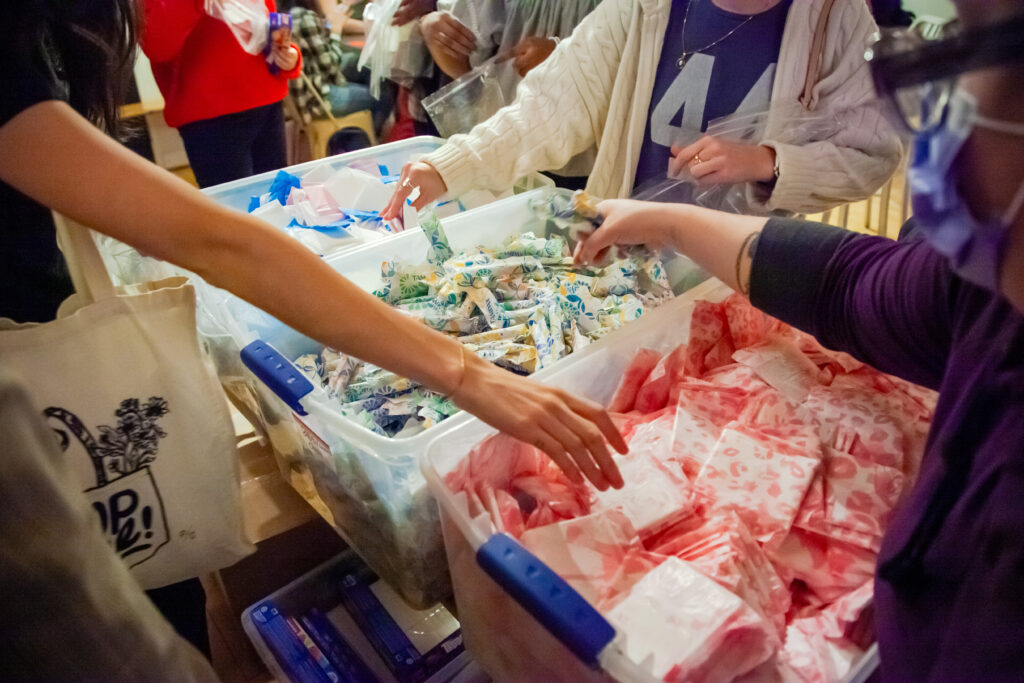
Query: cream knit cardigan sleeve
(864, 149)
(559, 111)
(562, 109)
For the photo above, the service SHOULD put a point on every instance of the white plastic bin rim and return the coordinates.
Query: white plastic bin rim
(392, 154)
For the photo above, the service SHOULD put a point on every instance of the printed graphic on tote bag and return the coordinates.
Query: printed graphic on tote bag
(126, 496)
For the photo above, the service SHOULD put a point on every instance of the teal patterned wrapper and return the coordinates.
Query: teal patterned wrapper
(488, 305)
(439, 251)
(522, 305)
(546, 250)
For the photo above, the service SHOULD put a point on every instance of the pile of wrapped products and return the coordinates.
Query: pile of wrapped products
(328, 209)
(762, 472)
(521, 304)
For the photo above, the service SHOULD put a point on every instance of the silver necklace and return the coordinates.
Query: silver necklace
(685, 57)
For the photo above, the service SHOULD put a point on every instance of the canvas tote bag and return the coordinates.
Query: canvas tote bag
(137, 408)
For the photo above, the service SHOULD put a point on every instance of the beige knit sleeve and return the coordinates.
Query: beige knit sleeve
(865, 149)
(559, 110)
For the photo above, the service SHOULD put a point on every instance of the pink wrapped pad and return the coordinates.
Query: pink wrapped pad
(639, 369)
(724, 550)
(588, 552)
(685, 627)
(654, 392)
(764, 487)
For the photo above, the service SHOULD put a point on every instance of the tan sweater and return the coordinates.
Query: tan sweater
(596, 87)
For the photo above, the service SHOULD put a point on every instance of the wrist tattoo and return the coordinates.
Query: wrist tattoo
(745, 256)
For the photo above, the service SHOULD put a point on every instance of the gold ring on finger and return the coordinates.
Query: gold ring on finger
(697, 159)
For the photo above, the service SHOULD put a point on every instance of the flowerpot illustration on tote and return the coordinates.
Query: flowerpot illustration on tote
(126, 496)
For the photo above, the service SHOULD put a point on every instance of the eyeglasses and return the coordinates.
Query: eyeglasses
(917, 70)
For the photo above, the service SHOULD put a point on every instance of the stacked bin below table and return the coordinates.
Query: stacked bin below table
(513, 638)
(368, 486)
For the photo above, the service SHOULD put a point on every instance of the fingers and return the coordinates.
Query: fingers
(685, 158)
(414, 175)
(597, 427)
(402, 190)
(677, 164)
(453, 52)
(455, 36)
(701, 171)
(463, 33)
(693, 149)
(450, 48)
(556, 452)
(407, 11)
(522, 64)
(403, 14)
(566, 432)
(599, 416)
(577, 252)
(421, 201)
(590, 248)
(285, 59)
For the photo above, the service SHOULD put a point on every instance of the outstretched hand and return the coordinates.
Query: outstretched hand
(628, 222)
(572, 431)
(415, 174)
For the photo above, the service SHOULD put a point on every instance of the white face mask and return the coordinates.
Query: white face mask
(975, 246)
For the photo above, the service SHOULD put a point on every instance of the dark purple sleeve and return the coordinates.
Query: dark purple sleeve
(886, 303)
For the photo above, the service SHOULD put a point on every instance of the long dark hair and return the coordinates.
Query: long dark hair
(90, 43)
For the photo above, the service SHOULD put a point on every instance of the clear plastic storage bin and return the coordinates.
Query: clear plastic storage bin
(127, 266)
(386, 159)
(369, 487)
(519, 620)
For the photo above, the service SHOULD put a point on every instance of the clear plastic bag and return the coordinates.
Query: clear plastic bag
(468, 100)
(802, 127)
(397, 53)
(411, 56)
(248, 20)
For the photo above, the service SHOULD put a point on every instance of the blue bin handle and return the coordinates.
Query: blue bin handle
(278, 373)
(547, 597)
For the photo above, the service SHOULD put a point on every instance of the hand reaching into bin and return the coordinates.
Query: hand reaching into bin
(571, 430)
(721, 243)
(104, 185)
(416, 174)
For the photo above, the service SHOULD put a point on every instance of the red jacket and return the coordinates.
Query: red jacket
(200, 68)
